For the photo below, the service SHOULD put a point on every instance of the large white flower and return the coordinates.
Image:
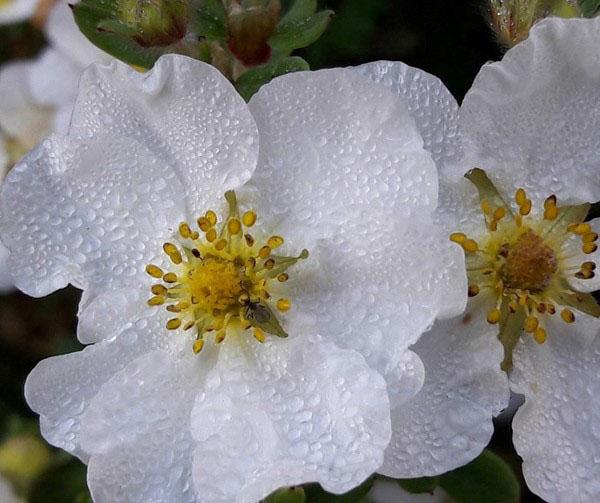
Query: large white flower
(13, 11)
(256, 364)
(37, 96)
(531, 122)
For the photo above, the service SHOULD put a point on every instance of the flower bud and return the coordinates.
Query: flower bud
(512, 19)
(22, 459)
(157, 22)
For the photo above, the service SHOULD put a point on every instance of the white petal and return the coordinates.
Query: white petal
(17, 10)
(184, 111)
(63, 34)
(380, 301)
(137, 430)
(449, 422)
(91, 214)
(53, 79)
(20, 117)
(339, 153)
(557, 430)
(431, 105)
(287, 412)
(389, 491)
(577, 257)
(534, 115)
(61, 388)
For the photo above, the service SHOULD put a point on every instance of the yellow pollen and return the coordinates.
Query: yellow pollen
(499, 213)
(540, 335)
(580, 229)
(525, 208)
(220, 283)
(458, 237)
(470, 246)
(589, 237)
(588, 248)
(531, 324)
(493, 315)
(567, 315)
(520, 197)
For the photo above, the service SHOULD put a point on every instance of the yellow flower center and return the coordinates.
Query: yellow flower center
(222, 281)
(5, 3)
(523, 261)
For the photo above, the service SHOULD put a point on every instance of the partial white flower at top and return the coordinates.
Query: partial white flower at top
(531, 122)
(249, 274)
(13, 11)
(37, 96)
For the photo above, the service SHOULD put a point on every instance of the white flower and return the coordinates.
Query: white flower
(341, 171)
(7, 494)
(13, 11)
(36, 97)
(531, 121)
(389, 491)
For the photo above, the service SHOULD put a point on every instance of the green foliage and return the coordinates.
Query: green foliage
(589, 8)
(287, 495)
(64, 482)
(253, 79)
(316, 494)
(296, 33)
(211, 20)
(418, 486)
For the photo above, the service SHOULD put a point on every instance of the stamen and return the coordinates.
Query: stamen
(567, 315)
(284, 305)
(198, 345)
(211, 216)
(156, 301)
(540, 335)
(249, 218)
(173, 323)
(173, 253)
(234, 226)
(493, 316)
(154, 271)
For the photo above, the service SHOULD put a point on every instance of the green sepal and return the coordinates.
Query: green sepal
(259, 315)
(299, 10)
(316, 494)
(287, 495)
(299, 33)
(511, 328)
(420, 485)
(282, 263)
(589, 8)
(251, 81)
(93, 17)
(584, 302)
(211, 20)
(487, 190)
(487, 479)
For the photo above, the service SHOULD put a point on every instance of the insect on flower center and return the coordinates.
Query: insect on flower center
(524, 262)
(226, 282)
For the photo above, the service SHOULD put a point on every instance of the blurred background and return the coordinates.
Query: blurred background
(450, 39)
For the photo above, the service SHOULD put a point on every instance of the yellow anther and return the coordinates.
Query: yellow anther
(211, 235)
(550, 308)
(159, 290)
(540, 335)
(282, 277)
(198, 345)
(220, 337)
(275, 242)
(251, 263)
(531, 324)
(485, 207)
(493, 316)
(170, 277)
(499, 213)
(590, 266)
(189, 325)
(525, 208)
(173, 324)
(154, 271)
(284, 305)
(173, 253)
(156, 301)
(458, 237)
(204, 224)
(520, 197)
(259, 335)
(589, 237)
(220, 244)
(473, 290)
(588, 248)
(264, 252)
(234, 226)
(567, 315)
(470, 246)
(184, 230)
(269, 264)
(551, 213)
(249, 240)
(249, 218)
(173, 308)
(580, 229)
(211, 216)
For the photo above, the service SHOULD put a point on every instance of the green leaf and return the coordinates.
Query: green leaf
(300, 10)
(95, 17)
(287, 495)
(487, 479)
(589, 8)
(63, 483)
(253, 79)
(418, 486)
(316, 494)
(211, 20)
(299, 33)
